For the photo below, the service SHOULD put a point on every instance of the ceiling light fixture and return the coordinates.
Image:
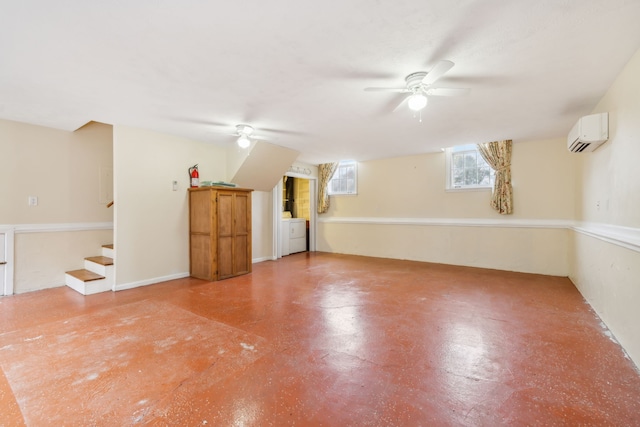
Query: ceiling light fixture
(244, 130)
(244, 141)
(417, 101)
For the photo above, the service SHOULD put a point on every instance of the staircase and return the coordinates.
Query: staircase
(96, 276)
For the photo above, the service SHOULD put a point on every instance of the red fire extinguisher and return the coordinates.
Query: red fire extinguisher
(194, 176)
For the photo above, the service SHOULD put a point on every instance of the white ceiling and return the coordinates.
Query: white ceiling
(296, 70)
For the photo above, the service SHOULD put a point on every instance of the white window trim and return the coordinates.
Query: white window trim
(449, 188)
(342, 163)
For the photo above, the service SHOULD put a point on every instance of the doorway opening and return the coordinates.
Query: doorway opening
(294, 215)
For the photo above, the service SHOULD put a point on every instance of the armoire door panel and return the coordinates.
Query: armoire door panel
(225, 214)
(201, 256)
(225, 257)
(199, 212)
(241, 262)
(240, 214)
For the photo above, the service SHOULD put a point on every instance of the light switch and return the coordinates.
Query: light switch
(175, 185)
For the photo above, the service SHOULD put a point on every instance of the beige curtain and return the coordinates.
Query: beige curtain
(325, 172)
(498, 155)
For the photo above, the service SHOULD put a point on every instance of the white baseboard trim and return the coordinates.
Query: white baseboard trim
(265, 258)
(153, 281)
(59, 227)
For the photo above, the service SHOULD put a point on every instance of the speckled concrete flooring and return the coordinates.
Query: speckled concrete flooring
(317, 339)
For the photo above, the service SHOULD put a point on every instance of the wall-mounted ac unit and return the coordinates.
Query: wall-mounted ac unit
(589, 133)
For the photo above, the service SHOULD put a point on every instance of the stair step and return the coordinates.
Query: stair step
(96, 276)
(84, 275)
(108, 251)
(102, 260)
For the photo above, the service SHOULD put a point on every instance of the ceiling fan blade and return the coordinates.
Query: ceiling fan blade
(387, 89)
(284, 131)
(448, 91)
(197, 121)
(404, 101)
(437, 71)
(232, 134)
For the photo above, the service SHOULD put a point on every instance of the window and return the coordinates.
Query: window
(466, 169)
(345, 179)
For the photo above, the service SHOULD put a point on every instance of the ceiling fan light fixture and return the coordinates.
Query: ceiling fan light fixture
(417, 101)
(244, 130)
(243, 141)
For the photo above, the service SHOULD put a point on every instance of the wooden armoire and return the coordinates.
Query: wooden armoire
(219, 232)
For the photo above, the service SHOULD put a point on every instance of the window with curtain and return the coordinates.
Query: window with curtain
(498, 155)
(467, 169)
(345, 179)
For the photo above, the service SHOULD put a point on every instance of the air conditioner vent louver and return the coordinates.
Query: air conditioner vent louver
(588, 133)
(579, 147)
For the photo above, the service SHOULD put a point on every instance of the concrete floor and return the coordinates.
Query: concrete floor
(317, 339)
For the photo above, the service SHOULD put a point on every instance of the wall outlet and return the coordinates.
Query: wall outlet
(33, 200)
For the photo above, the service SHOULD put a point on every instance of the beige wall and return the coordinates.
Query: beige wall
(62, 169)
(610, 175)
(543, 175)
(406, 213)
(262, 225)
(533, 250)
(606, 273)
(151, 220)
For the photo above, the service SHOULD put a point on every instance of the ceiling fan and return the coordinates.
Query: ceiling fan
(246, 135)
(420, 85)
(244, 132)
